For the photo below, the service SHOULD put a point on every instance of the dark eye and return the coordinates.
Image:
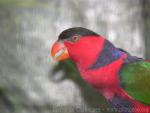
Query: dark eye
(75, 38)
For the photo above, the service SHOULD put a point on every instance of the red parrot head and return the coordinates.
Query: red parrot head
(93, 55)
(79, 44)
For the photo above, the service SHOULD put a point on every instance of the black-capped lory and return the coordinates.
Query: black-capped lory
(123, 79)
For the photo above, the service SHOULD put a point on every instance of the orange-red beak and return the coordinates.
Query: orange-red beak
(59, 51)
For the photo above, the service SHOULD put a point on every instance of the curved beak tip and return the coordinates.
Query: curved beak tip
(59, 51)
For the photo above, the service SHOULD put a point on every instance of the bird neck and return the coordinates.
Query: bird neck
(107, 55)
(103, 72)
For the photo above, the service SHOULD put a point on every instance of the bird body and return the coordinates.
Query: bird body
(122, 79)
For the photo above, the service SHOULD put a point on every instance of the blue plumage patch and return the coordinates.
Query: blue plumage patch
(121, 104)
(107, 55)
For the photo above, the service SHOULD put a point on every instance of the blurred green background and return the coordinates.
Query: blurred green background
(30, 81)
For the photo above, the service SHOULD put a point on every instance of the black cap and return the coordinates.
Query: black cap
(68, 33)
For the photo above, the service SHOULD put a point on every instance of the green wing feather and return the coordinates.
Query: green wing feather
(135, 80)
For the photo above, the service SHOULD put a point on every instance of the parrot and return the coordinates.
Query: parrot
(123, 79)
